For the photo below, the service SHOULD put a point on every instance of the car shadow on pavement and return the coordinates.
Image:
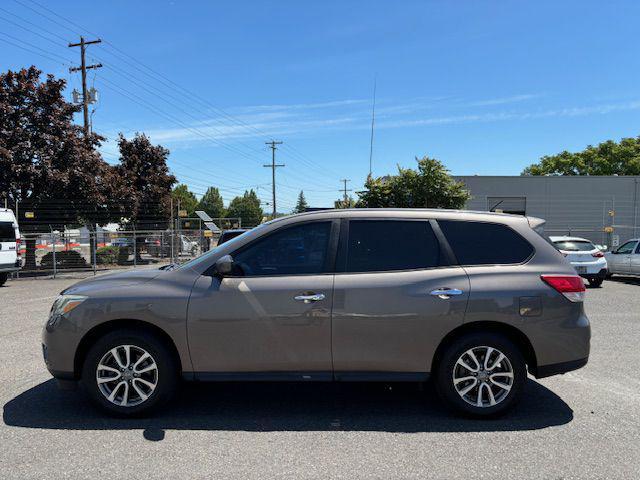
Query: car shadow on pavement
(627, 280)
(264, 407)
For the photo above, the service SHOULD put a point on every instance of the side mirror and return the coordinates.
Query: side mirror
(224, 265)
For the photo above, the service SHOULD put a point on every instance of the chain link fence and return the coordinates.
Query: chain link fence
(59, 253)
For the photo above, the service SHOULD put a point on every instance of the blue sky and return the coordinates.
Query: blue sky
(485, 86)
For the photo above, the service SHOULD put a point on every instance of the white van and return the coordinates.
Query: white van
(9, 244)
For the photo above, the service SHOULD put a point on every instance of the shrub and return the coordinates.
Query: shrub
(64, 259)
(107, 255)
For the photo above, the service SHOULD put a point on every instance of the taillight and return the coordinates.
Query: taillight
(597, 254)
(571, 286)
(18, 242)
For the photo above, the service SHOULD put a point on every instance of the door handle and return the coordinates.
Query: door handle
(445, 293)
(312, 297)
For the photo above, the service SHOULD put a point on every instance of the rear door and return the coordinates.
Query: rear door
(8, 251)
(396, 294)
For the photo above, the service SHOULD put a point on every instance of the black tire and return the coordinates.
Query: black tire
(167, 371)
(444, 372)
(3, 278)
(596, 282)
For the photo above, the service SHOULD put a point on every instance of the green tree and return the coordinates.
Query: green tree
(429, 186)
(185, 199)
(301, 205)
(212, 203)
(341, 203)
(606, 158)
(247, 207)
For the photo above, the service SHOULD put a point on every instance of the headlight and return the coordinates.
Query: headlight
(63, 305)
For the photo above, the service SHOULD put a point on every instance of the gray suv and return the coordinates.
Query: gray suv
(473, 300)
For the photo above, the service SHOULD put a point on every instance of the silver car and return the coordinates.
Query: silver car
(473, 301)
(625, 260)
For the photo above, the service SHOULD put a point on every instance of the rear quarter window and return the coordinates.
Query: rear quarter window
(483, 243)
(7, 232)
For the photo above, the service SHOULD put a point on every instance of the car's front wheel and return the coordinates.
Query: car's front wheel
(481, 374)
(129, 372)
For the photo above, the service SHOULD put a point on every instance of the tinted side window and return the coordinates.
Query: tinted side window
(291, 251)
(7, 232)
(384, 245)
(626, 247)
(479, 243)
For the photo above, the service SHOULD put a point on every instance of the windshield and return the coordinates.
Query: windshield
(233, 241)
(574, 245)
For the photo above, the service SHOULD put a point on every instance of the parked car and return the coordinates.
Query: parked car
(588, 260)
(10, 260)
(625, 260)
(231, 233)
(472, 300)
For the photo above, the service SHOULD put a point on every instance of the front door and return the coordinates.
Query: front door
(635, 261)
(621, 259)
(273, 316)
(394, 301)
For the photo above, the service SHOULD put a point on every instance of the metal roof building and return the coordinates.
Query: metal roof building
(604, 209)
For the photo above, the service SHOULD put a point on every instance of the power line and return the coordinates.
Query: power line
(158, 77)
(168, 81)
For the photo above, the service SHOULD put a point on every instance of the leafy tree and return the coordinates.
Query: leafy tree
(341, 203)
(46, 163)
(212, 203)
(145, 182)
(302, 204)
(247, 207)
(428, 186)
(606, 158)
(186, 199)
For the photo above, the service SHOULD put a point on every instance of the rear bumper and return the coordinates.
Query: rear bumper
(9, 267)
(598, 275)
(558, 368)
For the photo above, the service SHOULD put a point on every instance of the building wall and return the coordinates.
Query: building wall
(576, 205)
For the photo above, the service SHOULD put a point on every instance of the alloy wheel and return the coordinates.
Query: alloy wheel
(127, 375)
(483, 376)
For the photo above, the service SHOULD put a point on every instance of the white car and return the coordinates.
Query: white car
(625, 260)
(9, 244)
(588, 260)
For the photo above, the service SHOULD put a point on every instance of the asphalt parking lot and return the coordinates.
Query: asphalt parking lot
(585, 424)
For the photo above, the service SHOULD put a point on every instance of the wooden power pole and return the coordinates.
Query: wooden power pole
(273, 167)
(83, 68)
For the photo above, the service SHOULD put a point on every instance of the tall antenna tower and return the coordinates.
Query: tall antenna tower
(373, 121)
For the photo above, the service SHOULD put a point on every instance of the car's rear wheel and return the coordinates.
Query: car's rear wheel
(3, 278)
(596, 282)
(129, 372)
(481, 374)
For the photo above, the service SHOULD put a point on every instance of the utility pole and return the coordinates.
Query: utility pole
(345, 190)
(273, 167)
(83, 68)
